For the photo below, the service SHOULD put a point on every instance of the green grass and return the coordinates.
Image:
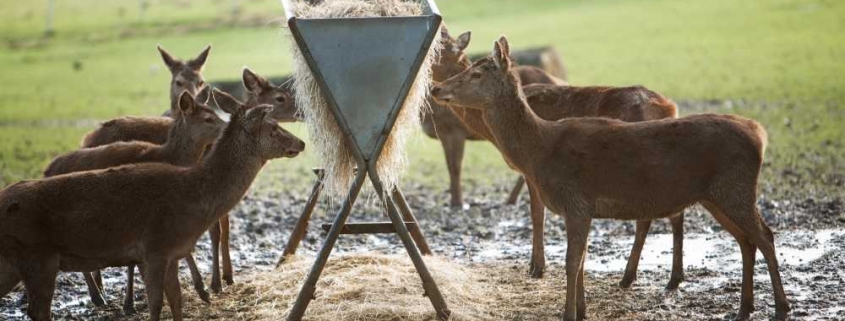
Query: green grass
(780, 59)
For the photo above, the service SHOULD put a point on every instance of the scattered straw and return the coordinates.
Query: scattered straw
(329, 143)
(381, 287)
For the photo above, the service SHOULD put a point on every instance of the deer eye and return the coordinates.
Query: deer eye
(179, 83)
(475, 75)
(200, 83)
(280, 99)
(209, 120)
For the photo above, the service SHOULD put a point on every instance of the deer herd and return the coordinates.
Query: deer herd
(142, 190)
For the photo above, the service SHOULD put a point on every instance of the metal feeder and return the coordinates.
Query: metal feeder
(386, 52)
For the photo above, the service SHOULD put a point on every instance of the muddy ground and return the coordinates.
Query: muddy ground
(809, 233)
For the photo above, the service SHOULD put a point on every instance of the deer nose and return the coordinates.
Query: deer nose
(435, 90)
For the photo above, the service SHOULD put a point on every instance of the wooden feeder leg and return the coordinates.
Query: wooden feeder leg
(408, 215)
(306, 294)
(429, 285)
(302, 224)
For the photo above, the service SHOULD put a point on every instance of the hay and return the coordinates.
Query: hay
(386, 287)
(328, 141)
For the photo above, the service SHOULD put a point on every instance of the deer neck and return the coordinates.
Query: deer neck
(516, 129)
(180, 149)
(227, 172)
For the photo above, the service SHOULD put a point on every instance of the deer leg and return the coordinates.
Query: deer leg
(749, 256)
(741, 219)
(39, 277)
(577, 230)
(129, 297)
(634, 259)
(196, 277)
(582, 298)
(9, 278)
(453, 146)
(173, 291)
(517, 189)
(538, 222)
(154, 274)
(677, 252)
(94, 289)
(214, 233)
(224, 245)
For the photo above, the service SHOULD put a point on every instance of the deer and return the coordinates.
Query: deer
(195, 128)
(185, 76)
(601, 168)
(153, 213)
(553, 102)
(260, 92)
(441, 124)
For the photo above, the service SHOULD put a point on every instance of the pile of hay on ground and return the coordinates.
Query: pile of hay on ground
(387, 287)
(328, 141)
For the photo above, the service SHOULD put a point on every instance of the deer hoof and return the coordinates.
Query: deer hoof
(204, 296)
(626, 282)
(674, 283)
(535, 270)
(129, 309)
(216, 287)
(98, 301)
(229, 280)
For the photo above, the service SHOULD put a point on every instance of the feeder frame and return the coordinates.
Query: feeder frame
(368, 141)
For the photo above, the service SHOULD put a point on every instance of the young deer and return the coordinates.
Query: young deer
(150, 214)
(442, 124)
(195, 128)
(586, 168)
(261, 92)
(553, 102)
(185, 77)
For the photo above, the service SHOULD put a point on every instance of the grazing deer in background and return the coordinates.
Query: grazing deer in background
(553, 102)
(150, 214)
(442, 124)
(195, 128)
(586, 168)
(185, 77)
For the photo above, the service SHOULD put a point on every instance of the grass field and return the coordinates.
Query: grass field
(778, 61)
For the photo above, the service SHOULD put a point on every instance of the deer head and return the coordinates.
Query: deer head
(452, 59)
(482, 83)
(261, 134)
(263, 92)
(200, 122)
(186, 76)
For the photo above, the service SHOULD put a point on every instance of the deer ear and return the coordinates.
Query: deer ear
(225, 101)
(254, 83)
(501, 54)
(172, 63)
(197, 63)
(444, 32)
(463, 40)
(203, 95)
(186, 103)
(258, 114)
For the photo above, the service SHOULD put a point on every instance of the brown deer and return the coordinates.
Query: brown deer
(442, 124)
(284, 109)
(195, 128)
(553, 102)
(150, 214)
(586, 168)
(185, 77)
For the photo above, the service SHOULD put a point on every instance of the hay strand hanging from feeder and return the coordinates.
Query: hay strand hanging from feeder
(332, 148)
